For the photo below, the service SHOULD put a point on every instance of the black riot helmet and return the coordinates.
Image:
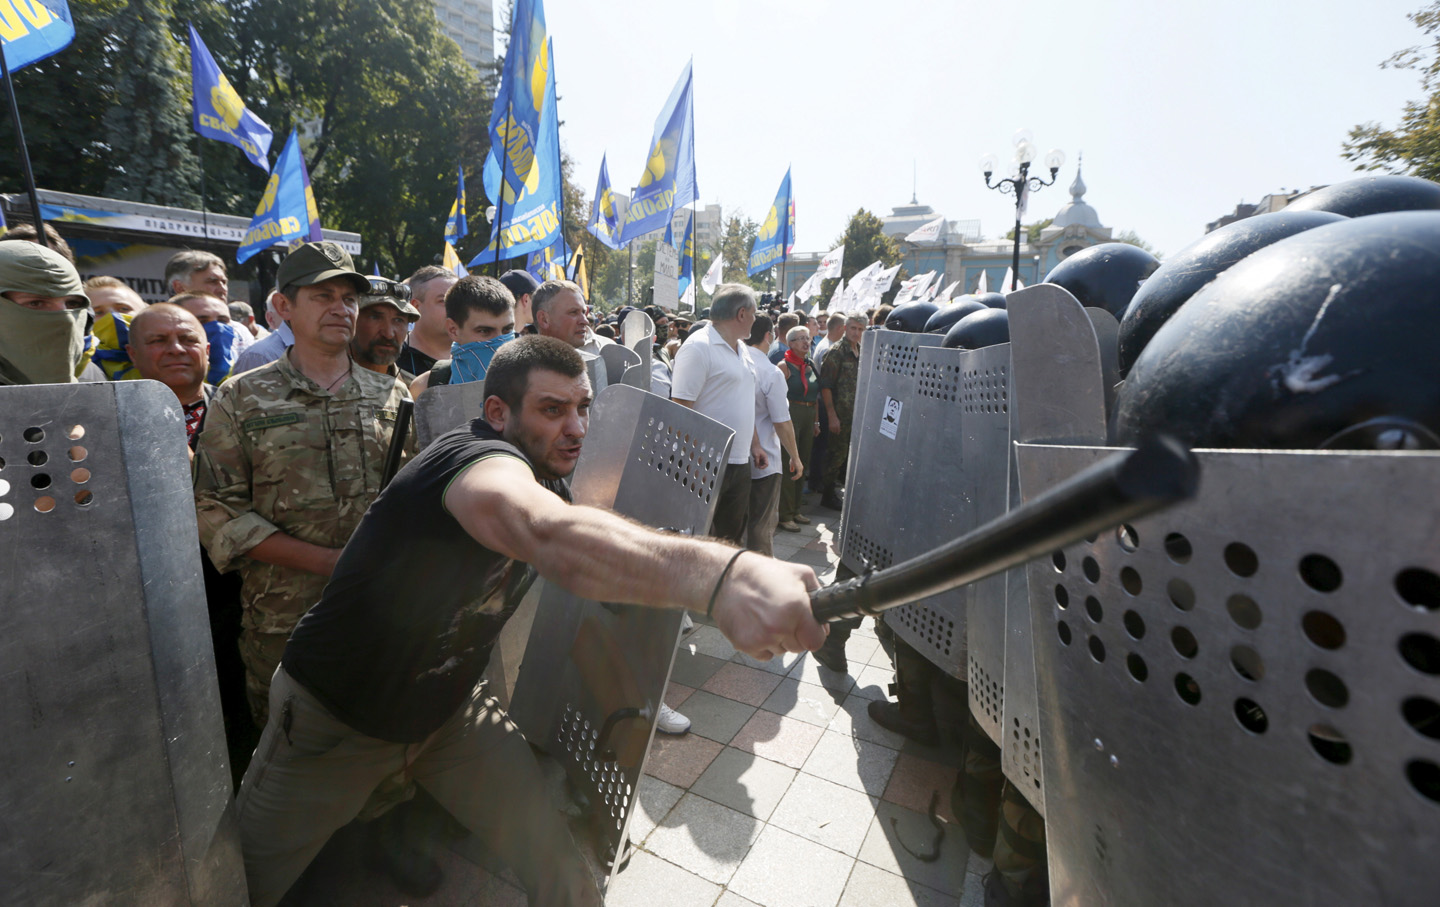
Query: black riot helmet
(1199, 263)
(910, 317)
(941, 321)
(1325, 339)
(1105, 276)
(987, 327)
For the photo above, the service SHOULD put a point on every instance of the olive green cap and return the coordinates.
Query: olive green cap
(317, 262)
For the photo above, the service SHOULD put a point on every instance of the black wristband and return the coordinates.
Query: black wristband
(721, 581)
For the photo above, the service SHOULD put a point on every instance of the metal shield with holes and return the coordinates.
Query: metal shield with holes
(1241, 696)
(116, 786)
(594, 674)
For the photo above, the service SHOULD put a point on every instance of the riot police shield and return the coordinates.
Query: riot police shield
(594, 675)
(116, 786)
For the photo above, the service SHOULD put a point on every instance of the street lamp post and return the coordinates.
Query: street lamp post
(1021, 184)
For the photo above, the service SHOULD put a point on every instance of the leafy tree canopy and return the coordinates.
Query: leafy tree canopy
(1412, 147)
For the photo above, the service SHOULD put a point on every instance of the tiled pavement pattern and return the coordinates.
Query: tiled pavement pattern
(785, 793)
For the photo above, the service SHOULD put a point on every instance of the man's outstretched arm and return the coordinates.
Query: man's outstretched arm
(763, 607)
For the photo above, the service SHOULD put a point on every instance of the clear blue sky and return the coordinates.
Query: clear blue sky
(1181, 109)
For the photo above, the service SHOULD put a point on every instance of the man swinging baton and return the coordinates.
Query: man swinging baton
(379, 679)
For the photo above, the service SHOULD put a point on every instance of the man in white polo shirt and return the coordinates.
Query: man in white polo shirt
(714, 376)
(774, 428)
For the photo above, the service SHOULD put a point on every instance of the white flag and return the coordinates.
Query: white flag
(935, 288)
(810, 287)
(928, 233)
(794, 300)
(883, 279)
(831, 263)
(711, 280)
(983, 286)
(837, 298)
(947, 294)
(913, 288)
(688, 297)
(1010, 275)
(860, 284)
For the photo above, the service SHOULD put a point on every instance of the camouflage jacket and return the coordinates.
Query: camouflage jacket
(278, 452)
(839, 372)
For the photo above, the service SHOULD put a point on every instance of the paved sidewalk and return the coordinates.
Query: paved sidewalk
(784, 793)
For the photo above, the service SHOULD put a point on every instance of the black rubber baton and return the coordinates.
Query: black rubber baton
(1127, 486)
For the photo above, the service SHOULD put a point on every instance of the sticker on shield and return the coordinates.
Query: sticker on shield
(890, 419)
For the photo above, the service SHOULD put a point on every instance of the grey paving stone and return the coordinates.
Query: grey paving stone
(807, 702)
(974, 893)
(888, 847)
(706, 838)
(708, 641)
(745, 782)
(873, 681)
(731, 899)
(852, 720)
(693, 669)
(826, 813)
(785, 870)
(648, 881)
(873, 887)
(807, 669)
(776, 665)
(655, 799)
(851, 762)
(715, 717)
(859, 650)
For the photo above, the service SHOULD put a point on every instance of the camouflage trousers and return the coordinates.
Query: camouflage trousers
(838, 454)
(261, 653)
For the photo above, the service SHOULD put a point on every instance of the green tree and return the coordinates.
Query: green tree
(1130, 237)
(1413, 147)
(1032, 231)
(866, 243)
(735, 245)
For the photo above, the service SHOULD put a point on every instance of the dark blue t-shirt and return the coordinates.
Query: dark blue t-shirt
(404, 628)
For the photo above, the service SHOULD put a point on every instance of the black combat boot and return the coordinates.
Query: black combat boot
(913, 715)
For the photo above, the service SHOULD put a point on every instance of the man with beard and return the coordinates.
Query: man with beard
(381, 327)
(379, 684)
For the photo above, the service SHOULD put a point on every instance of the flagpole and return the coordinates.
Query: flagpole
(204, 211)
(500, 202)
(559, 165)
(24, 153)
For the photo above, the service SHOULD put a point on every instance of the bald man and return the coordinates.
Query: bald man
(168, 344)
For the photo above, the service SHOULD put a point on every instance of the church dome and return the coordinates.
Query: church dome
(1076, 211)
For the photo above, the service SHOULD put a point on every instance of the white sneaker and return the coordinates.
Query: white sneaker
(671, 721)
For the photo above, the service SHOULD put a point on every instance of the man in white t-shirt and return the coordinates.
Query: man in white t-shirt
(774, 428)
(834, 330)
(714, 375)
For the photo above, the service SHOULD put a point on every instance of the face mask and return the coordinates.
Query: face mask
(40, 347)
(470, 361)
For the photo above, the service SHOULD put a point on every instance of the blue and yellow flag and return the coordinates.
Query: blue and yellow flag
(604, 216)
(455, 227)
(32, 30)
(287, 213)
(451, 262)
(669, 178)
(687, 256)
(549, 263)
(516, 117)
(219, 112)
(777, 234)
(530, 220)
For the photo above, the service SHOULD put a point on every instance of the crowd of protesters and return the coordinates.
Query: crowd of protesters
(289, 422)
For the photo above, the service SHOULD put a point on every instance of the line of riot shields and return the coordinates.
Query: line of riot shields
(1232, 701)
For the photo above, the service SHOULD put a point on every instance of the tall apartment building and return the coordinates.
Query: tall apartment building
(471, 24)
